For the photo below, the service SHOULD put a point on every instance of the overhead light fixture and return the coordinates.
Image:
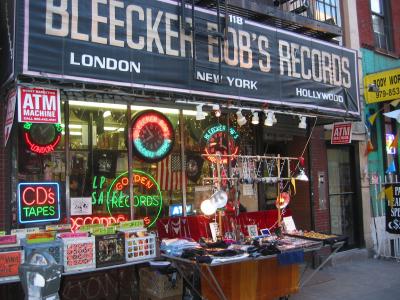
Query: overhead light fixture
(106, 114)
(270, 117)
(216, 110)
(255, 120)
(302, 175)
(241, 120)
(200, 115)
(303, 123)
(219, 199)
(208, 208)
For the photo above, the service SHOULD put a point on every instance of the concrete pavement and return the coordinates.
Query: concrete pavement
(366, 279)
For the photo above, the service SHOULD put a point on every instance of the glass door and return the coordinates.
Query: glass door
(342, 194)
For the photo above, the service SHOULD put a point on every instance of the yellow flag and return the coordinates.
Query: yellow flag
(372, 118)
(389, 195)
(395, 142)
(381, 195)
(293, 181)
(394, 103)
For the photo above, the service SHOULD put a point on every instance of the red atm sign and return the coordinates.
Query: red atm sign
(38, 202)
(341, 133)
(39, 105)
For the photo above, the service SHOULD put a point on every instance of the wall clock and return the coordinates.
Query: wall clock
(216, 140)
(42, 138)
(152, 136)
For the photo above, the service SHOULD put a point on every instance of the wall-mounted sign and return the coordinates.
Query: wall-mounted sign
(42, 138)
(341, 133)
(81, 206)
(38, 202)
(382, 86)
(393, 211)
(39, 105)
(11, 98)
(216, 141)
(145, 47)
(152, 136)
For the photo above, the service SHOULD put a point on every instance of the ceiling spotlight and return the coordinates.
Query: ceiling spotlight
(241, 120)
(216, 110)
(269, 120)
(200, 115)
(302, 175)
(106, 114)
(303, 123)
(255, 120)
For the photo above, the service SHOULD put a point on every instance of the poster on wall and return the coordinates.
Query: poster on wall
(393, 211)
(81, 206)
(11, 98)
(39, 105)
(341, 133)
(146, 47)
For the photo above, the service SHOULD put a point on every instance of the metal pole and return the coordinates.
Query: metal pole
(183, 162)
(130, 161)
(67, 163)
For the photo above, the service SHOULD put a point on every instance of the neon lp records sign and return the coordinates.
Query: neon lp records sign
(42, 138)
(153, 136)
(38, 202)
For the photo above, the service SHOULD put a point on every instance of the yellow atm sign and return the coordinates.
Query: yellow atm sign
(382, 86)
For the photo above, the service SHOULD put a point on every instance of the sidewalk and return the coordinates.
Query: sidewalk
(367, 279)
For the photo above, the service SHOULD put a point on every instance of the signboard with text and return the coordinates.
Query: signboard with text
(39, 105)
(386, 86)
(143, 45)
(341, 133)
(10, 115)
(393, 211)
(38, 202)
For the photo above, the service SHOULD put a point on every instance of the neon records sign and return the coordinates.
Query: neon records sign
(147, 198)
(152, 136)
(42, 138)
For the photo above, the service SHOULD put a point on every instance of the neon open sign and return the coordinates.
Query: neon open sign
(38, 202)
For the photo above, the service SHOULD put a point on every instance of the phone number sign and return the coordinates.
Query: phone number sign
(38, 202)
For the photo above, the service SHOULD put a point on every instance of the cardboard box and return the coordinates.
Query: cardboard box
(146, 296)
(158, 285)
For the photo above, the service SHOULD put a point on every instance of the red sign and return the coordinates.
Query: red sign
(341, 134)
(10, 115)
(39, 105)
(9, 263)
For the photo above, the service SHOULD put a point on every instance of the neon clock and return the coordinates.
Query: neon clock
(216, 141)
(153, 136)
(42, 138)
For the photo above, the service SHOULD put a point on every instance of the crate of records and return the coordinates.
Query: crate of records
(139, 244)
(110, 249)
(11, 256)
(54, 248)
(79, 253)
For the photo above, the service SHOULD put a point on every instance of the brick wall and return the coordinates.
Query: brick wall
(395, 9)
(365, 24)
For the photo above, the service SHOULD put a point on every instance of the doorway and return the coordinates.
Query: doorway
(343, 194)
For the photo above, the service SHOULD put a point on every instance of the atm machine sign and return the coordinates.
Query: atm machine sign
(38, 202)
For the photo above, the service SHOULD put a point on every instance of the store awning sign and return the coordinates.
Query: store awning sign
(39, 105)
(341, 133)
(382, 86)
(11, 98)
(38, 202)
(143, 45)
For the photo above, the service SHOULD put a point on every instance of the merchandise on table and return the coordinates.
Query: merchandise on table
(79, 254)
(110, 249)
(54, 248)
(139, 244)
(317, 236)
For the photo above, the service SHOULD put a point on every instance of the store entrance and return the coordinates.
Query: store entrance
(343, 194)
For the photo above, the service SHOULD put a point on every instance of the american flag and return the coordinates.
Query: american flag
(169, 173)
